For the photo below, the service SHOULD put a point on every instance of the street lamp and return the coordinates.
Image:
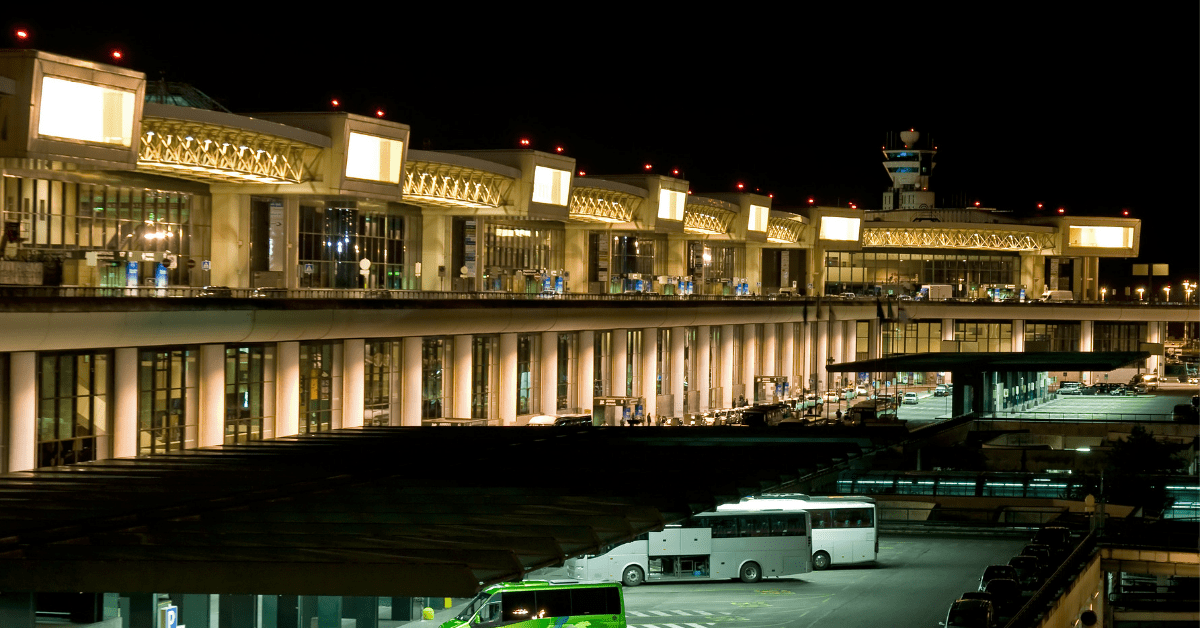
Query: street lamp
(1188, 289)
(1167, 289)
(1103, 293)
(1140, 291)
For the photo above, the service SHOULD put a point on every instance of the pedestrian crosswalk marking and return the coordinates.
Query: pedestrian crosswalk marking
(696, 625)
(681, 612)
(661, 613)
(703, 613)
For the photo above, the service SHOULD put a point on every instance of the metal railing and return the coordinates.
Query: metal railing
(1072, 417)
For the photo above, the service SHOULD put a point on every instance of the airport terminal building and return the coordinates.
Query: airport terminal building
(179, 276)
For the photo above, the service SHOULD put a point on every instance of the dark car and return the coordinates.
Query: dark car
(1029, 571)
(216, 291)
(971, 614)
(1042, 553)
(1007, 592)
(993, 572)
(1057, 538)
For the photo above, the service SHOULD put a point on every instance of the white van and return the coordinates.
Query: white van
(1057, 295)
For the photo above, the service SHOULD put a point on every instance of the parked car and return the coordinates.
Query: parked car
(1057, 538)
(1069, 388)
(971, 614)
(1007, 592)
(910, 398)
(1029, 572)
(941, 391)
(832, 396)
(1042, 553)
(993, 572)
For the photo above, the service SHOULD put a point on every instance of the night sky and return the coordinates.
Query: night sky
(1093, 112)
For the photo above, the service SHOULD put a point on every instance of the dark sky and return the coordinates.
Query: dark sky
(1091, 111)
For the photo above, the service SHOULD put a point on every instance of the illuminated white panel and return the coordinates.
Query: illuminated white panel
(670, 205)
(551, 186)
(374, 158)
(758, 218)
(81, 111)
(1101, 237)
(839, 228)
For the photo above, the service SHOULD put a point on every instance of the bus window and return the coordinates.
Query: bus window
(517, 606)
(490, 612)
(753, 526)
(795, 526)
(821, 519)
(595, 601)
(554, 603)
(724, 527)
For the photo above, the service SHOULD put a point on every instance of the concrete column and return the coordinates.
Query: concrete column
(125, 403)
(1031, 278)
(230, 240)
(727, 366)
(677, 255)
(678, 361)
(142, 610)
(1154, 334)
(507, 395)
(291, 259)
(754, 267)
(770, 349)
(821, 343)
(435, 246)
(585, 392)
(649, 389)
(461, 378)
(353, 384)
(947, 329)
(804, 344)
(22, 428)
(849, 341)
(18, 610)
(836, 348)
(704, 377)
(618, 387)
(212, 395)
(1018, 336)
(1087, 335)
(576, 261)
(547, 381)
(874, 339)
(193, 609)
(411, 381)
(287, 389)
(750, 354)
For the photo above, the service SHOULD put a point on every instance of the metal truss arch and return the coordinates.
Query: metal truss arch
(600, 205)
(980, 239)
(784, 230)
(706, 215)
(206, 152)
(448, 185)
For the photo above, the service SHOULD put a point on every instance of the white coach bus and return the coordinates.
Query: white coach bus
(844, 527)
(751, 540)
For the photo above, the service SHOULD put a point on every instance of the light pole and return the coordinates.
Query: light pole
(1167, 289)
(1140, 291)
(1103, 293)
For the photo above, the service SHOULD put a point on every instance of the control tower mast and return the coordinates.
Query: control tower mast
(909, 163)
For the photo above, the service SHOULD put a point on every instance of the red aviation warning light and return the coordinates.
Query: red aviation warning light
(22, 34)
(558, 149)
(117, 55)
(582, 173)
(647, 167)
(335, 103)
(741, 186)
(524, 141)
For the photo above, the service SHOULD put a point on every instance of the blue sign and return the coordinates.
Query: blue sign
(131, 274)
(558, 285)
(206, 265)
(689, 287)
(170, 617)
(160, 276)
(1022, 295)
(548, 284)
(640, 286)
(638, 411)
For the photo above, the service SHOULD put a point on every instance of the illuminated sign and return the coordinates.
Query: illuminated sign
(551, 186)
(758, 218)
(840, 228)
(1101, 237)
(374, 158)
(670, 204)
(85, 112)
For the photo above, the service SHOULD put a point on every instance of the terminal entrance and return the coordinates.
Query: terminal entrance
(771, 388)
(618, 411)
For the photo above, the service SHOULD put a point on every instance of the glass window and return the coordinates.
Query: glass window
(82, 111)
(317, 363)
(73, 410)
(566, 369)
(166, 400)
(381, 389)
(249, 393)
(527, 372)
(434, 388)
(551, 186)
(374, 158)
(821, 518)
(518, 606)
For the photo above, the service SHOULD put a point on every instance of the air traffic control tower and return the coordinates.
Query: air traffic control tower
(909, 163)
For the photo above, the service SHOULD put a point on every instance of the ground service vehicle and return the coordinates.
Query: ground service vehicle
(750, 540)
(544, 604)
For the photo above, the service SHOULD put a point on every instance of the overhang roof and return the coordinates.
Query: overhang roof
(994, 361)
(381, 511)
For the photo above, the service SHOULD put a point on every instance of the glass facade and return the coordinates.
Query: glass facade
(862, 331)
(483, 375)
(435, 363)
(602, 369)
(527, 373)
(249, 393)
(613, 258)
(987, 335)
(73, 410)
(880, 274)
(319, 362)
(713, 266)
(567, 356)
(910, 337)
(59, 219)
(382, 378)
(336, 236)
(167, 401)
(1052, 336)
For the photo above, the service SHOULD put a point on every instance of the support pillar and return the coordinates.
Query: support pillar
(364, 610)
(585, 388)
(678, 361)
(750, 362)
(237, 611)
(287, 389)
(125, 404)
(808, 379)
(353, 382)
(1087, 335)
(770, 349)
(17, 610)
(1018, 336)
(835, 351)
(435, 236)
(212, 395)
(822, 356)
(547, 379)
(142, 610)
(704, 379)
(727, 366)
(874, 339)
(619, 386)
(22, 428)
(649, 358)
(461, 378)
(194, 609)
(507, 396)
(411, 381)
(787, 353)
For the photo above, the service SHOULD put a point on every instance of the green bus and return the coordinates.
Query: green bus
(544, 604)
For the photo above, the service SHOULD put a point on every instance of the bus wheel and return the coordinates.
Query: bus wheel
(751, 572)
(632, 576)
(820, 561)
